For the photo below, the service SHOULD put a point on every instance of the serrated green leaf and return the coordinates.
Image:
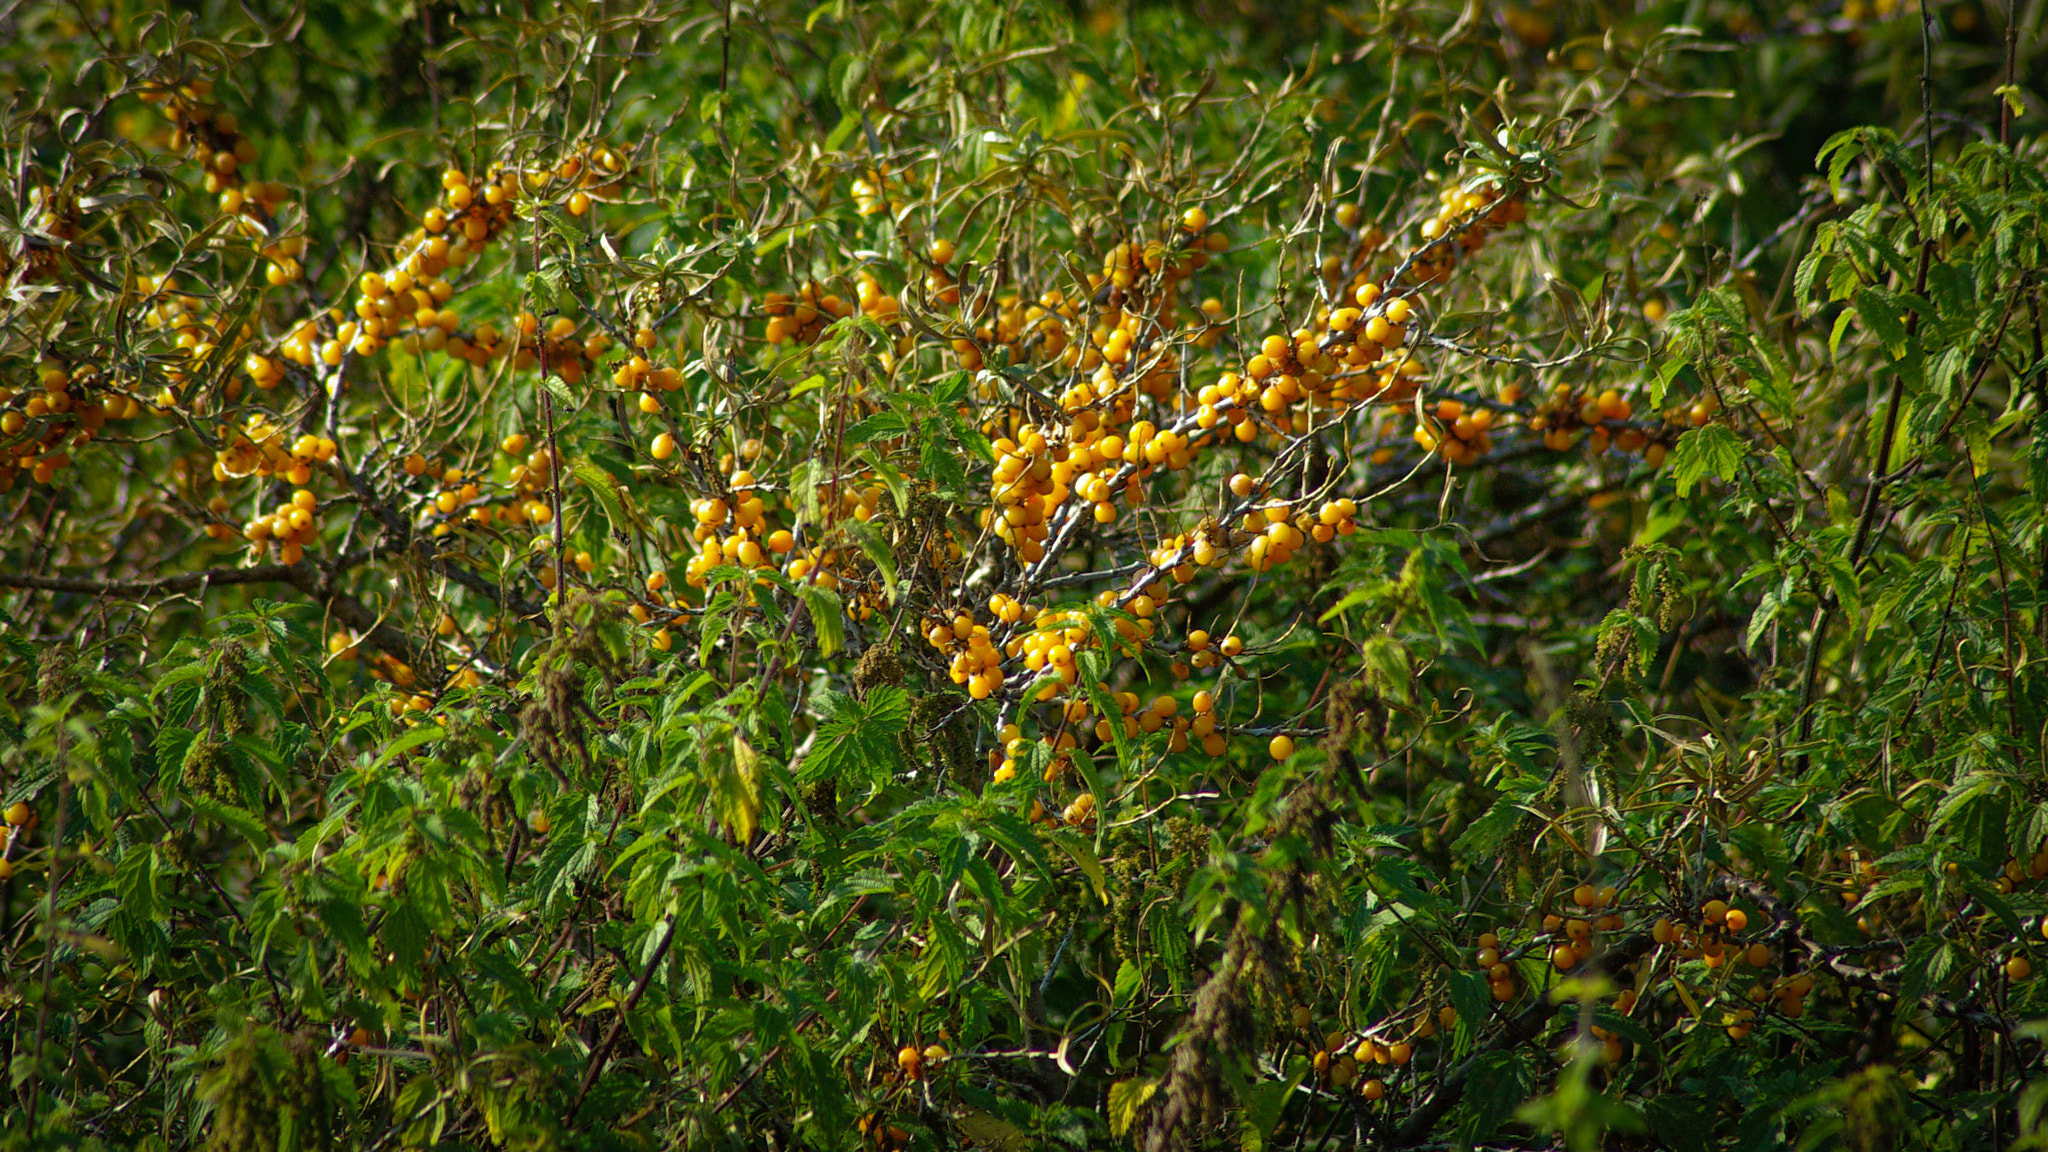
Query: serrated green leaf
(1125, 1098)
(856, 741)
(876, 549)
(601, 485)
(1710, 450)
(828, 620)
(1884, 314)
(413, 738)
(1128, 981)
(1084, 857)
(881, 425)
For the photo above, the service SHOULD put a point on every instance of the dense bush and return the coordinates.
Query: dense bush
(976, 575)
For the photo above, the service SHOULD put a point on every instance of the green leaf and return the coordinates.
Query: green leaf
(847, 72)
(937, 464)
(1128, 981)
(1499, 1083)
(241, 820)
(880, 426)
(563, 225)
(1016, 838)
(1842, 319)
(413, 738)
(1676, 1122)
(1883, 313)
(1965, 789)
(1125, 1098)
(1484, 836)
(828, 617)
(1709, 450)
(843, 130)
(1666, 372)
(602, 486)
(543, 291)
(1662, 519)
(950, 390)
(135, 884)
(737, 790)
(1928, 965)
(343, 921)
(857, 741)
(875, 548)
(1474, 1002)
(803, 485)
(1084, 857)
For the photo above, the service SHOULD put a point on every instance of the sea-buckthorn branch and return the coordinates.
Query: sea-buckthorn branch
(1517, 1030)
(1872, 499)
(317, 580)
(1831, 956)
(1433, 340)
(399, 534)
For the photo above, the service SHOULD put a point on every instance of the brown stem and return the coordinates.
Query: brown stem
(603, 1051)
(1824, 615)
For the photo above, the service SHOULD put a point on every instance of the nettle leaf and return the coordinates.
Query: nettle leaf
(1809, 268)
(1666, 373)
(827, 617)
(1843, 280)
(1084, 857)
(1929, 962)
(135, 883)
(880, 426)
(1884, 313)
(1015, 837)
(1835, 333)
(601, 485)
(1484, 836)
(857, 742)
(1841, 150)
(1501, 1081)
(2038, 468)
(243, 821)
(876, 549)
(343, 921)
(1129, 979)
(1125, 1098)
(570, 851)
(951, 390)
(561, 224)
(967, 436)
(1710, 450)
(738, 790)
(1677, 1122)
(937, 464)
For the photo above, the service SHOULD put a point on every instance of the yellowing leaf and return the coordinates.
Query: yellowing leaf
(1125, 1098)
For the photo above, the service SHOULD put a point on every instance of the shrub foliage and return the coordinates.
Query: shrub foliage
(951, 574)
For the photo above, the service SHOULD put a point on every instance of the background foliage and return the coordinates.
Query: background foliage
(865, 575)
